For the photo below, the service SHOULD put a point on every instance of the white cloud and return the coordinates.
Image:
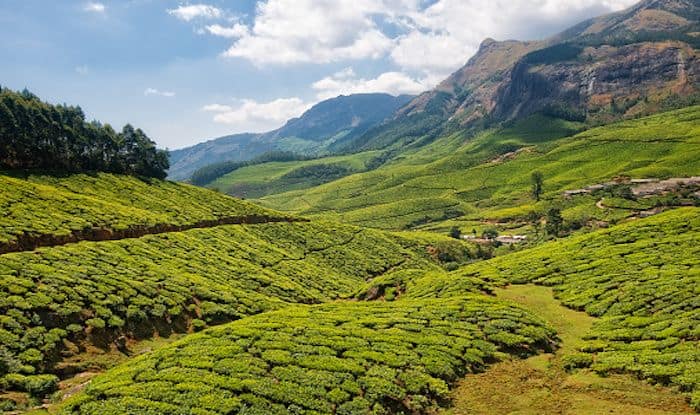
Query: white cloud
(153, 91)
(235, 31)
(346, 82)
(94, 7)
(194, 11)
(318, 31)
(253, 116)
(82, 70)
(433, 40)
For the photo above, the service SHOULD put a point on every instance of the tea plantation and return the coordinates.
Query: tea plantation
(55, 299)
(52, 207)
(342, 358)
(642, 278)
(462, 178)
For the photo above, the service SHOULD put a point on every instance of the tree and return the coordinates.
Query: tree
(554, 221)
(38, 135)
(537, 183)
(490, 233)
(455, 233)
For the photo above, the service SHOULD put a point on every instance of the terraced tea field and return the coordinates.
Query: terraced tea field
(47, 210)
(464, 180)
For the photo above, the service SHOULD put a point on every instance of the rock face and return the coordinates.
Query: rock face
(603, 82)
(637, 61)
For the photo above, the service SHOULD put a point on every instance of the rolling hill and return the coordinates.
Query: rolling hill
(322, 128)
(404, 355)
(466, 181)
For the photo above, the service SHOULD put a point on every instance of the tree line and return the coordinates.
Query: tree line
(35, 135)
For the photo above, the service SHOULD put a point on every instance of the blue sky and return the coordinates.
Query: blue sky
(190, 71)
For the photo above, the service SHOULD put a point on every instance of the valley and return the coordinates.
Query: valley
(522, 237)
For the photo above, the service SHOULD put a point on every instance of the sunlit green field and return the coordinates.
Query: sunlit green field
(477, 181)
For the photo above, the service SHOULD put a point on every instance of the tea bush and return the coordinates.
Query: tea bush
(642, 278)
(53, 298)
(57, 206)
(342, 358)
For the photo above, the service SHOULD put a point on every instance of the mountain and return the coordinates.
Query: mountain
(321, 128)
(635, 62)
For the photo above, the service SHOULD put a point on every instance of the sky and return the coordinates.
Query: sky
(185, 72)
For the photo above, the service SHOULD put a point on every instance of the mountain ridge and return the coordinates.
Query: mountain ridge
(324, 125)
(590, 72)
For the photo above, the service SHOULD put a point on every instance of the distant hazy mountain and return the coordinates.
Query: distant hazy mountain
(326, 126)
(634, 62)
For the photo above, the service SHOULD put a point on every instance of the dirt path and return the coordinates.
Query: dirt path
(539, 385)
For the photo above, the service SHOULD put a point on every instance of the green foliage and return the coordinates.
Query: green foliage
(54, 207)
(100, 290)
(36, 385)
(275, 176)
(344, 358)
(211, 172)
(38, 135)
(553, 54)
(641, 278)
(537, 183)
(555, 222)
(473, 177)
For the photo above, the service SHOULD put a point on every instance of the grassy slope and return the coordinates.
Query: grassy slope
(344, 358)
(469, 182)
(541, 384)
(641, 278)
(54, 299)
(269, 178)
(57, 206)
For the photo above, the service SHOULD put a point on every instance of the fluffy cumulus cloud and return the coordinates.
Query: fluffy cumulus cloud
(156, 92)
(235, 31)
(194, 11)
(317, 31)
(433, 39)
(347, 82)
(94, 7)
(253, 116)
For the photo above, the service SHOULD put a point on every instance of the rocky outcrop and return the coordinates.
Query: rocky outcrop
(603, 81)
(634, 62)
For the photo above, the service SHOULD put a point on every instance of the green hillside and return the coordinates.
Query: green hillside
(49, 210)
(278, 177)
(488, 176)
(344, 358)
(373, 357)
(63, 304)
(641, 278)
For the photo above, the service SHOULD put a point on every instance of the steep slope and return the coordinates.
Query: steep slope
(489, 177)
(637, 61)
(322, 127)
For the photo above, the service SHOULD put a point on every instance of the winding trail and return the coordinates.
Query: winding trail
(540, 385)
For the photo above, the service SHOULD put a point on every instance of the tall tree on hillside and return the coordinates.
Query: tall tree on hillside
(537, 185)
(555, 222)
(38, 135)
